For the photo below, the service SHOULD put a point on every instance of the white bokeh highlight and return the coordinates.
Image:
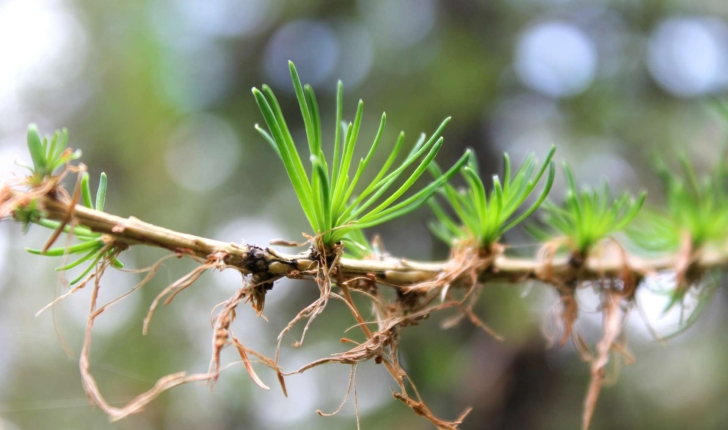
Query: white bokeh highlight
(13, 154)
(311, 45)
(355, 56)
(556, 59)
(688, 56)
(42, 48)
(399, 24)
(226, 18)
(654, 297)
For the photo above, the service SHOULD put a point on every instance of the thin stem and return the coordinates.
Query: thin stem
(393, 272)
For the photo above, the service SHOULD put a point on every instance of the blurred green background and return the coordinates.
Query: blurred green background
(157, 94)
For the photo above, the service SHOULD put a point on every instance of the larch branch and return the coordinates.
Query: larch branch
(268, 263)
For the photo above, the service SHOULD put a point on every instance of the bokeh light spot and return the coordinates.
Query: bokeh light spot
(227, 18)
(356, 54)
(556, 58)
(398, 24)
(42, 46)
(689, 56)
(311, 45)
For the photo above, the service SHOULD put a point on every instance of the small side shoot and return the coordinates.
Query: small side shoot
(483, 218)
(329, 192)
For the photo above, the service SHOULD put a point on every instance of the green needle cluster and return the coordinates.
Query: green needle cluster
(91, 246)
(483, 217)
(47, 154)
(328, 192)
(587, 216)
(696, 208)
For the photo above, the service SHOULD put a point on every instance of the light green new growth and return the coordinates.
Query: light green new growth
(485, 217)
(696, 209)
(327, 193)
(47, 154)
(92, 246)
(587, 217)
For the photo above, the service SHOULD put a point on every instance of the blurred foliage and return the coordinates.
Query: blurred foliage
(587, 216)
(697, 208)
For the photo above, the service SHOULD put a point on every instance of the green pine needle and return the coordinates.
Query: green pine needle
(484, 217)
(91, 243)
(696, 207)
(587, 216)
(327, 192)
(47, 155)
